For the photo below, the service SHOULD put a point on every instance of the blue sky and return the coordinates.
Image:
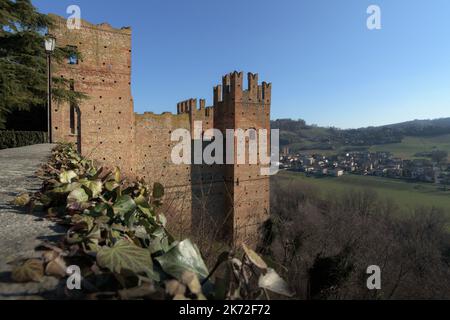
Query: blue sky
(325, 65)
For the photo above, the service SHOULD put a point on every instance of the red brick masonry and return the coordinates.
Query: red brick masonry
(235, 198)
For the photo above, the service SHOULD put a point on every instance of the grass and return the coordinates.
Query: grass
(407, 149)
(405, 194)
(410, 146)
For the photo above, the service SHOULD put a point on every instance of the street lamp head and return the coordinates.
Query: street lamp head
(50, 43)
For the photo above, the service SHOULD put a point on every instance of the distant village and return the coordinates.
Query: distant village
(380, 164)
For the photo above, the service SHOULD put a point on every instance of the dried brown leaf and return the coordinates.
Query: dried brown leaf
(174, 288)
(191, 280)
(31, 270)
(22, 199)
(50, 255)
(57, 268)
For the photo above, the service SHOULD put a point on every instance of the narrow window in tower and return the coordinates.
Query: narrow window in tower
(73, 128)
(73, 56)
(72, 119)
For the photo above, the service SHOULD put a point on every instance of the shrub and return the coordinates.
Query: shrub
(326, 244)
(15, 139)
(120, 243)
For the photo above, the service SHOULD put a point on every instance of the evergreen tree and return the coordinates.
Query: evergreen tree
(23, 64)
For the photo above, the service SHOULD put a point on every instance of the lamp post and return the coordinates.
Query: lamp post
(50, 43)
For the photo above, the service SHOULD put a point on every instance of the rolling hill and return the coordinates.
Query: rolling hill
(405, 140)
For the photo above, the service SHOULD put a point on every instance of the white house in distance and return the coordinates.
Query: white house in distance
(337, 172)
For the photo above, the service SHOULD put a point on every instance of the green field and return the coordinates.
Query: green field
(407, 149)
(413, 145)
(406, 194)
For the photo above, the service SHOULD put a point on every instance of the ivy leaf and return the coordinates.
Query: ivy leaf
(67, 176)
(158, 190)
(159, 241)
(143, 205)
(100, 209)
(95, 187)
(68, 187)
(31, 270)
(254, 257)
(185, 256)
(78, 196)
(117, 175)
(83, 219)
(273, 282)
(125, 255)
(163, 220)
(123, 205)
(111, 185)
(102, 221)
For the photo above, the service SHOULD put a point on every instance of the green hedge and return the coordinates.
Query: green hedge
(15, 139)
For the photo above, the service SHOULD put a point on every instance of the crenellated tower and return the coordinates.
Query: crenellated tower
(237, 108)
(240, 188)
(233, 196)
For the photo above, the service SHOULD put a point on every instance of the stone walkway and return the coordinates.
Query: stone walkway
(21, 232)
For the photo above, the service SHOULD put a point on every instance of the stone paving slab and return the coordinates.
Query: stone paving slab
(20, 232)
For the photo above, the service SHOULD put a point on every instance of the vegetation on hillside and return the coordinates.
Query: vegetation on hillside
(299, 136)
(434, 148)
(405, 194)
(327, 244)
(120, 243)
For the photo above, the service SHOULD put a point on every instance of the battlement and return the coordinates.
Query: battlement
(266, 92)
(190, 105)
(61, 22)
(224, 95)
(167, 119)
(232, 89)
(232, 84)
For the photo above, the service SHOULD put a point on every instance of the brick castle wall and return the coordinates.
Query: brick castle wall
(235, 198)
(104, 123)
